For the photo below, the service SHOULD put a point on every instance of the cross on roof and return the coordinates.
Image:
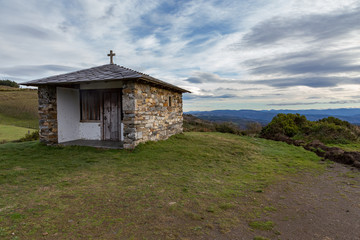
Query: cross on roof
(111, 55)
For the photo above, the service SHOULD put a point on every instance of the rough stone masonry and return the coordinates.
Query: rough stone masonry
(48, 115)
(150, 113)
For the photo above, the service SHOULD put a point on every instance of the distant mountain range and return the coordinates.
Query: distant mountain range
(243, 117)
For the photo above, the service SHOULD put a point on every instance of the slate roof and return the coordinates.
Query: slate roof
(109, 72)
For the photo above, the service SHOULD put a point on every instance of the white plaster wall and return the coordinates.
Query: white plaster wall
(90, 131)
(102, 85)
(68, 114)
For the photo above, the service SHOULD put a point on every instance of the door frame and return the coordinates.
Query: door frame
(119, 115)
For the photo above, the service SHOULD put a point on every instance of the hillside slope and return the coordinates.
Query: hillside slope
(243, 117)
(18, 107)
(188, 186)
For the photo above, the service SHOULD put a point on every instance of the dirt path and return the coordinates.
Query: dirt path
(318, 207)
(325, 207)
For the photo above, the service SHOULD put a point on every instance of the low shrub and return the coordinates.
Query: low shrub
(335, 121)
(253, 129)
(331, 133)
(285, 124)
(326, 130)
(228, 127)
(194, 124)
(32, 136)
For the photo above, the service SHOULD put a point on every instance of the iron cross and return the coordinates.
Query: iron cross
(111, 55)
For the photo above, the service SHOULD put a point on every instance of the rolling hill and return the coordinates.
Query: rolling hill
(18, 107)
(243, 117)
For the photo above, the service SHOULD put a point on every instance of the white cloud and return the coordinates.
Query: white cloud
(171, 40)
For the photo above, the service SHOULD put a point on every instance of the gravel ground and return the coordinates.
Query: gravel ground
(325, 207)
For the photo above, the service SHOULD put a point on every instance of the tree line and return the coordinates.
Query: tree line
(9, 83)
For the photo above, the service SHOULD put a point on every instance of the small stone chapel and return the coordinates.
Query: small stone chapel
(108, 106)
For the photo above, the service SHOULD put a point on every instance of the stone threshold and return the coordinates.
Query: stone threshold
(95, 144)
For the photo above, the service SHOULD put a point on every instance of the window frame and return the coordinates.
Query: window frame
(170, 101)
(97, 96)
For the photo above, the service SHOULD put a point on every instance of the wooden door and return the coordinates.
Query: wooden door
(111, 117)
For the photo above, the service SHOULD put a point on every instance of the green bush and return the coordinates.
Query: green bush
(335, 121)
(285, 124)
(326, 130)
(30, 137)
(329, 132)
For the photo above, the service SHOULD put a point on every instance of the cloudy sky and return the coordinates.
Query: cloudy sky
(238, 54)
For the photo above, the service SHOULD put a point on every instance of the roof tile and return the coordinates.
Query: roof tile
(106, 72)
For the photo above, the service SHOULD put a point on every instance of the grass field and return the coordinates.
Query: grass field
(7, 88)
(181, 188)
(19, 107)
(11, 133)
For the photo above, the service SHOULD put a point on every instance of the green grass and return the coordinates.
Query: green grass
(11, 133)
(260, 238)
(19, 122)
(180, 188)
(355, 146)
(19, 108)
(266, 226)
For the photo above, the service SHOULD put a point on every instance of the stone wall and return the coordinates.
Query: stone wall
(48, 115)
(155, 118)
(128, 109)
(147, 113)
